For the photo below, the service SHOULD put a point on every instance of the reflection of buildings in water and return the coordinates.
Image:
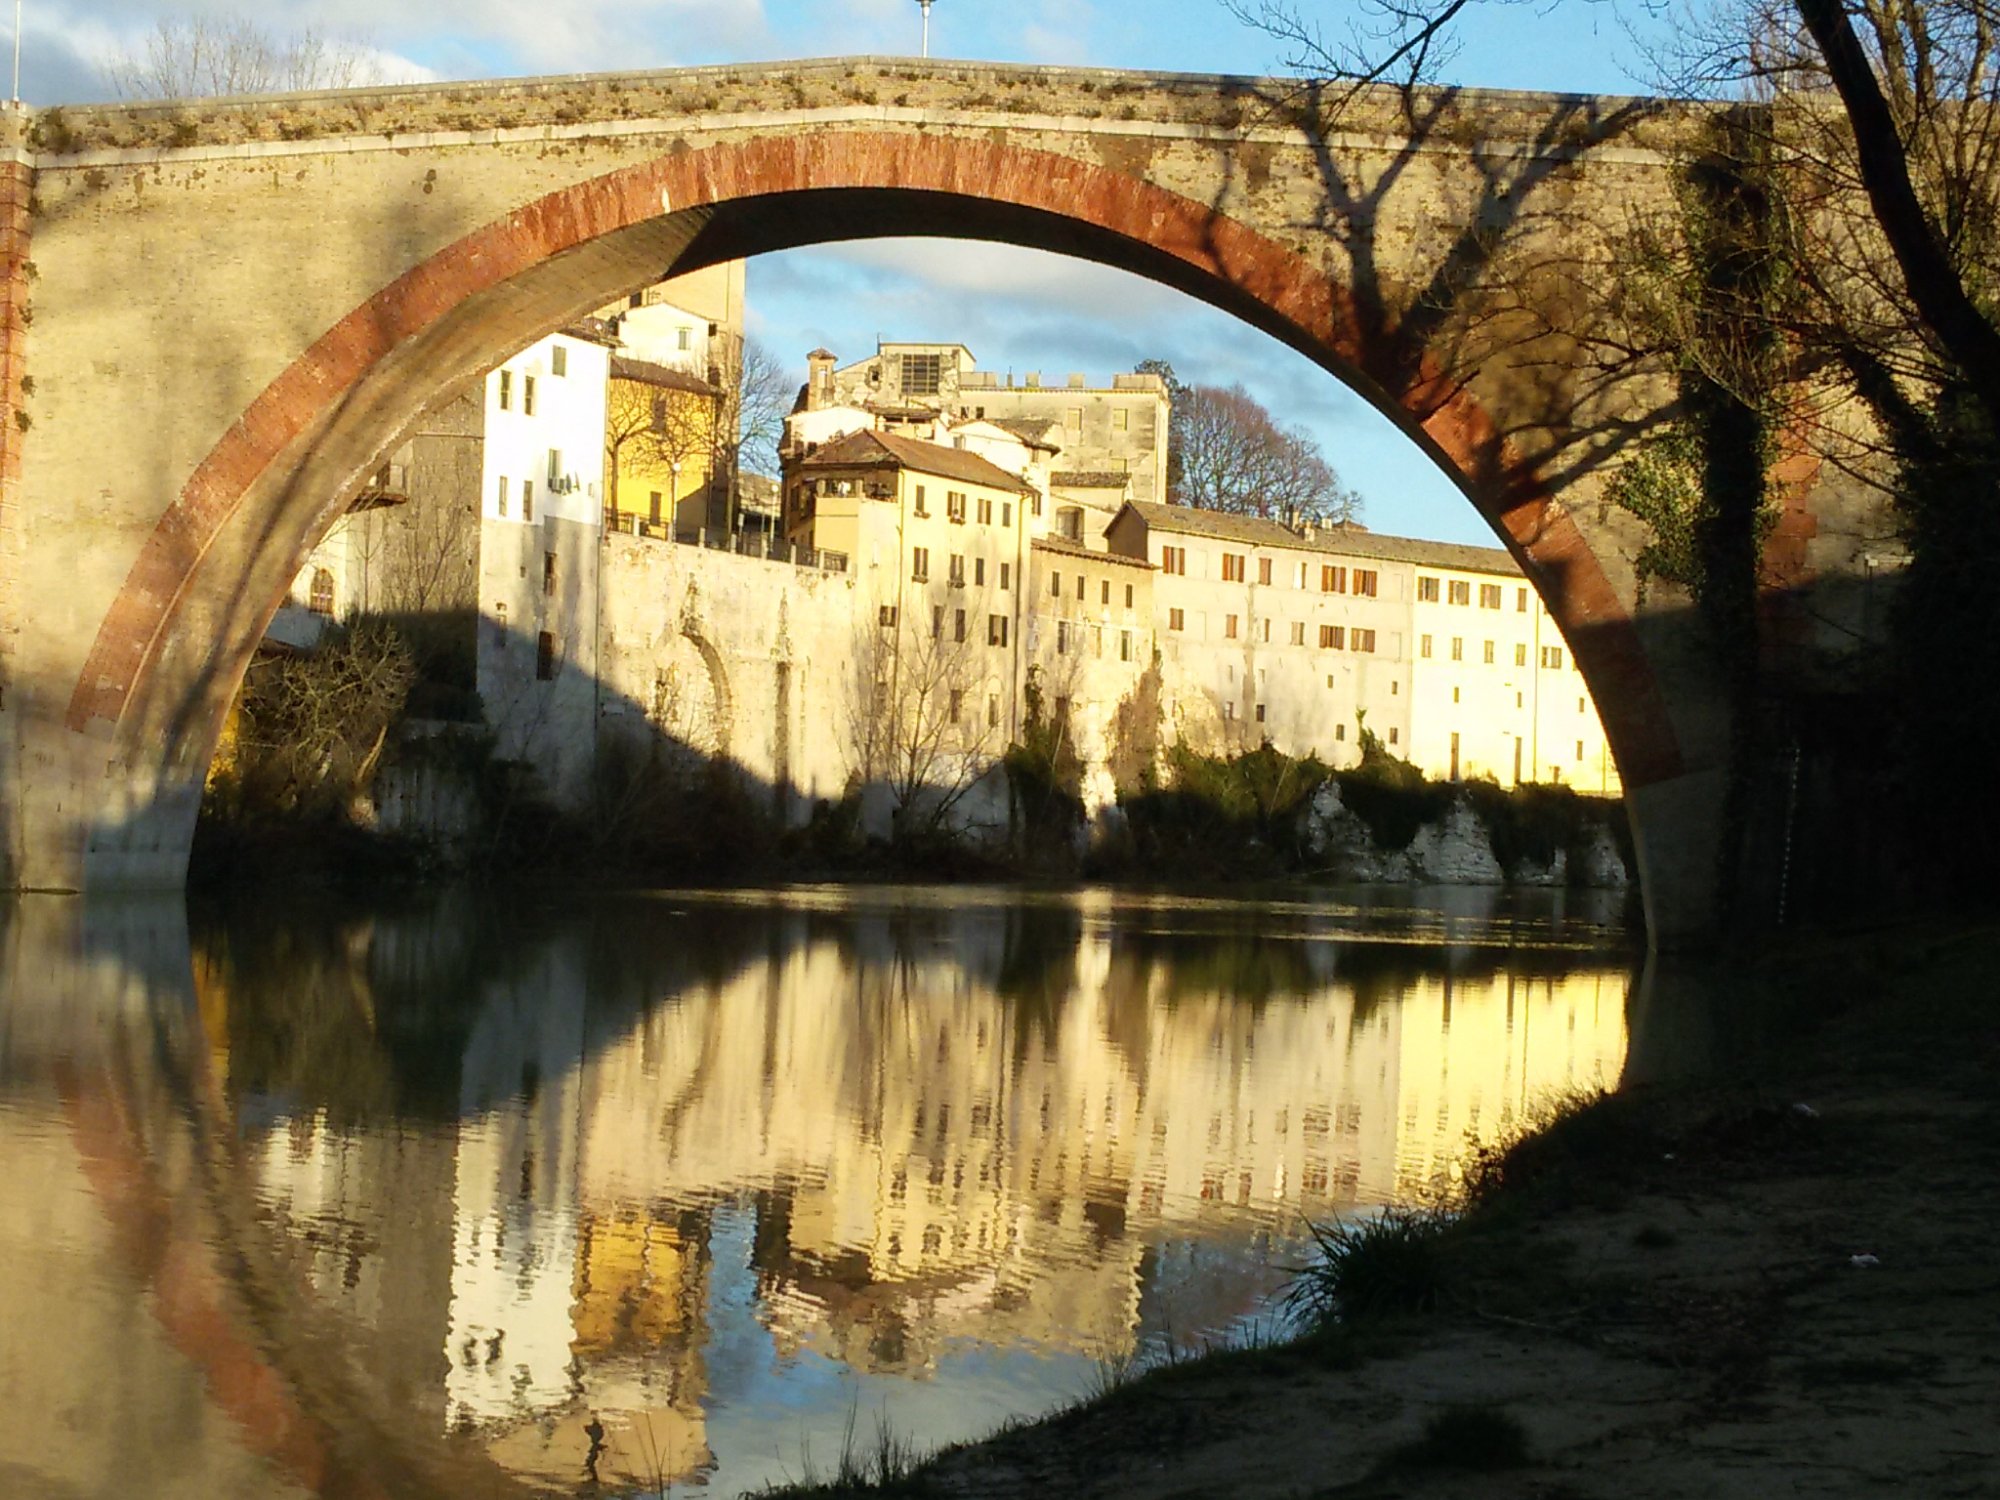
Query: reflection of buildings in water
(955, 1126)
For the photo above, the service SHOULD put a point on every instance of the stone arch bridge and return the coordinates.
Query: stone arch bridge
(219, 314)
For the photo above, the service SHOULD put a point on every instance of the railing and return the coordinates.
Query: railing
(766, 546)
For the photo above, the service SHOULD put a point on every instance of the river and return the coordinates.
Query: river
(518, 1196)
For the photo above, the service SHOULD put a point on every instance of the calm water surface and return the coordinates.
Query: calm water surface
(498, 1202)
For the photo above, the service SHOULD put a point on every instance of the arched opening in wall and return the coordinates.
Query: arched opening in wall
(424, 358)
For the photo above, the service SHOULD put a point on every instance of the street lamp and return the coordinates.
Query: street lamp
(926, 6)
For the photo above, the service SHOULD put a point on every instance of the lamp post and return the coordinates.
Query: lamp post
(926, 7)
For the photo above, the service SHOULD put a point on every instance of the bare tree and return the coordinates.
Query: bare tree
(1234, 457)
(763, 392)
(656, 418)
(919, 723)
(219, 55)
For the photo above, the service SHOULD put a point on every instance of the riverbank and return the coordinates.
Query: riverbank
(1777, 1280)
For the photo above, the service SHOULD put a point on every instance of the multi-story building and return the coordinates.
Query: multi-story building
(1116, 429)
(1268, 633)
(1495, 690)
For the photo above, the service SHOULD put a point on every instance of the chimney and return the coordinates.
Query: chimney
(819, 379)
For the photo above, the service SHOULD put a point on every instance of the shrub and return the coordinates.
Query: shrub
(1391, 1264)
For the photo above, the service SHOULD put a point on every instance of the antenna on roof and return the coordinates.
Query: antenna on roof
(926, 6)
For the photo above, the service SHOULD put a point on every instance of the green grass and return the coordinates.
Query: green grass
(1395, 1263)
(889, 1465)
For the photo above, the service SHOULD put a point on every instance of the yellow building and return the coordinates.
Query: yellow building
(659, 446)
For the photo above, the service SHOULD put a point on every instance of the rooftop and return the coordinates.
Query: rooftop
(887, 450)
(623, 367)
(1338, 540)
(1090, 479)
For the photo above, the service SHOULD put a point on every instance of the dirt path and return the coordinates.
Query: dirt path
(1682, 1313)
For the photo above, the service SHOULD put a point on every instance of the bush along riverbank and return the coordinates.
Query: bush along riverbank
(328, 774)
(1776, 1279)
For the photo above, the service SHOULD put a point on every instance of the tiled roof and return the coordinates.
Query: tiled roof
(1068, 548)
(886, 449)
(1028, 429)
(1338, 541)
(1090, 479)
(665, 376)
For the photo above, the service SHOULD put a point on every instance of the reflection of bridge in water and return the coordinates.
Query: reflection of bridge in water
(398, 1207)
(935, 1127)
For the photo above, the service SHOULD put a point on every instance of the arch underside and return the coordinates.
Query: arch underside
(156, 675)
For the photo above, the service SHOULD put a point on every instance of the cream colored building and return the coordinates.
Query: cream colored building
(1117, 428)
(1495, 689)
(1266, 633)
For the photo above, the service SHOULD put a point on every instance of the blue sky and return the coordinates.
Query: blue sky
(1017, 310)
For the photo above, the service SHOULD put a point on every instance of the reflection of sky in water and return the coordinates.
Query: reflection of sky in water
(731, 1172)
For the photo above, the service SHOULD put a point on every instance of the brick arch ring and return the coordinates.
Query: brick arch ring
(1222, 252)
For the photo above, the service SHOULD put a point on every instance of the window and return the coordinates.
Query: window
(548, 572)
(1006, 512)
(653, 507)
(1232, 567)
(1263, 570)
(1460, 593)
(937, 622)
(1073, 418)
(1579, 749)
(1489, 653)
(545, 657)
(527, 499)
(1424, 647)
(1427, 591)
(1579, 705)
(503, 496)
(1128, 596)
(1173, 560)
(1264, 631)
(1006, 575)
(1055, 585)
(1552, 658)
(886, 617)
(527, 395)
(684, 339)
(918, 508)
(1121, 420)
(996, 630)
(1229, 711)
(1332, 580)
(992, 715)
(1176, 619)
(1080, 580)
(958, 625)
(1521, 600)
(1392, 734)
(957, 705)
(555, 466)
(1298, 632)
(1340, 731)
(1260, 713)
(1062, 638)
(920, 565)
(985, 510)
(1365, 582)
(320, 601)
(1454, 695)
(1364, 640)
(1229, 628)
(1332, 637)
(979, 571)
(1520, 655)
(506, 389)
(559, 360)
(1124, 645)
(1489, 596)
(660, 417)
(957, 575)
(954, 506)
(922, 376)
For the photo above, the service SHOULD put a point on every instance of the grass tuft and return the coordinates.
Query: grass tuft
(1391, 1264)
